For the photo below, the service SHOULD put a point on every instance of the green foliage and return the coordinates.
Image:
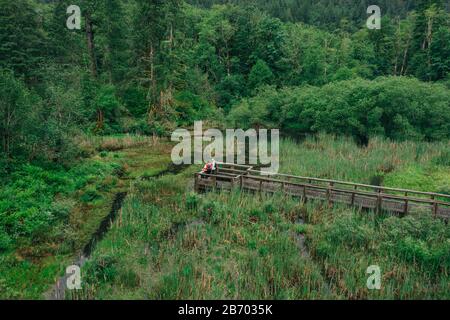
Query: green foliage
(256, 242)
(15, 109)
(443, 159)
(107, 102)
(192, 201)
(260, 74)
(418, 246)
(103, 269)
(191, 107)
(134, 100)
(27, 206)
(305, 67)
(420, 178)
(153, 65)
(90, 195)
(21, 38)
(399, 108)
(5, 240)
(329, 14)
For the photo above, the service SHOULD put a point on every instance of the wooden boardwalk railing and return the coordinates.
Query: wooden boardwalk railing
(377, 198)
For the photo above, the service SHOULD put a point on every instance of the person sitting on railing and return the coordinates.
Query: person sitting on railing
(207, 168)
(210, 167)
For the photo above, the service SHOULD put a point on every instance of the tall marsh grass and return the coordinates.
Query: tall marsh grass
(326, 156)
(170, 243)
(89, 144)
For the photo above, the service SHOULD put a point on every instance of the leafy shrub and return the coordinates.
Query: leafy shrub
(377, 180)
(349, 232)
(61, 209)
(419, 251)
(5, 240)
(37, 223)
(90, 195)
(396, 107)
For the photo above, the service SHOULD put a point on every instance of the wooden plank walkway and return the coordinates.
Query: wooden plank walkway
(396, 201)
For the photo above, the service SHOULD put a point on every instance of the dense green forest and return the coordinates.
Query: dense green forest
(330, 14)
(146, 67)
(149, 66)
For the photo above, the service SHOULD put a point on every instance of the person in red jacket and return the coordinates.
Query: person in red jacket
(210, 167)
(207, 168)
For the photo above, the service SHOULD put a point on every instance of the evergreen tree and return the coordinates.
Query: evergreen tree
(260, 75)
(21, 38)
(15, 112)
(114, 28)
(64, 45)
(430, 16)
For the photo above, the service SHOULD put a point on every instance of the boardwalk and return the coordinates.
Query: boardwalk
(396, 201)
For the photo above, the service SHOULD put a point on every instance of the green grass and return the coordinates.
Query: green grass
(48, 213)
(423, 178)
(243, 250)
(328, 157)
(170, 243)
(412, 252)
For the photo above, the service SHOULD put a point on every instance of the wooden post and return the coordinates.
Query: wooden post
(304, 200)
(353, 196)
(379, 201)
(406, 205)
(329, 191)
(435, 206)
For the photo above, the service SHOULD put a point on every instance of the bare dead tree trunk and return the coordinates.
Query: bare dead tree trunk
(91, 44)
(405, 56)
(93, 63)
(152, 71)
(429, 41)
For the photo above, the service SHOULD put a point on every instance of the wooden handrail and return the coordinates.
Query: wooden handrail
(358, 184)
(214, 175)
(383, 188)
(349, 191)
(232, 170)
(234, 165)
(378, 193)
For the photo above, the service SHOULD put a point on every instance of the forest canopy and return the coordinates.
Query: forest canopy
(149, 66)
